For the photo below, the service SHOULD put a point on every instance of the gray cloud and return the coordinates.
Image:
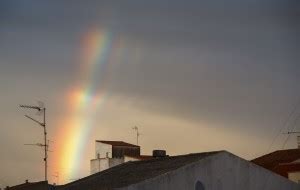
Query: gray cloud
(234, 64)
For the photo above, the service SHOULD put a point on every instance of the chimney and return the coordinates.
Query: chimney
(26, 181)
(298, 141)
(159, 153)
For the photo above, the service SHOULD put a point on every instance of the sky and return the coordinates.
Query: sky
(193, 75)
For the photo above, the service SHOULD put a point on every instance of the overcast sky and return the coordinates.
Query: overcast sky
(194, 76)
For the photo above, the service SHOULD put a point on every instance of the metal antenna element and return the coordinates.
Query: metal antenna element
(41, 110)
(137, 134)
(292, 132)
(36, 144)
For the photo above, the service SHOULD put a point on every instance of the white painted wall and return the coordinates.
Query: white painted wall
(222, 171)
(102, 149)
(98, 165)
(294, 176)
(115, 161)
(101, 164)
(94, 166)
(128, 158)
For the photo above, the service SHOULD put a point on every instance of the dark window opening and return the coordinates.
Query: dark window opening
(199, 186)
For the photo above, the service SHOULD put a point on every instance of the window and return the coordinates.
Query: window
(199, 186)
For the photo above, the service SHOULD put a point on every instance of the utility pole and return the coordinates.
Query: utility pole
(40, 109)
(137, 134)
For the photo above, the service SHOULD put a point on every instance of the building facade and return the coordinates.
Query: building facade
(112, 153)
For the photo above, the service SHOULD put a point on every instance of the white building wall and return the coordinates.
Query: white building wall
(98, 165)
(101, 164)
(128, 158)
(222, 171)
(115, 161)
(294, 176)
(103, 149)
(93, 166)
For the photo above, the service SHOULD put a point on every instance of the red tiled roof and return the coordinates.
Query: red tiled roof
(117, 143)
(274, 159)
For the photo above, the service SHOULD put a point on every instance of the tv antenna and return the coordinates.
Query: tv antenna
(292, 132)
(137, 134)
(40, 110)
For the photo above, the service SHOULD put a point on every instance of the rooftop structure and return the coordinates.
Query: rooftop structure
(112, 153)
(118, 143)
(283, 162)
(41, 185)
(210, 170)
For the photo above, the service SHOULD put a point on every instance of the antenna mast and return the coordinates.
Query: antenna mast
(137, 134)
(41, 109)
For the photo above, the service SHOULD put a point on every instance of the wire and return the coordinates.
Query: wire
(285, 124)
(293, 128)
(286, 140)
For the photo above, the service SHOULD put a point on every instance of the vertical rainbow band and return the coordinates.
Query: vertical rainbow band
(99, 49)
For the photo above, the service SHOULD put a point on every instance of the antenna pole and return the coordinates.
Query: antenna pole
(45, 141)
(43, 124)
(137, 134)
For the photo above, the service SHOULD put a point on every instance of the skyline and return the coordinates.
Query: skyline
(195, 76)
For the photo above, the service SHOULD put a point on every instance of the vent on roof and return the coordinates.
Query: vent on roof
(159, 153)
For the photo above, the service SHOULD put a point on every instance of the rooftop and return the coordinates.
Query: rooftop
(141, 157)
(276, 158)
(31, 186)
(117, 143)
(135, 172)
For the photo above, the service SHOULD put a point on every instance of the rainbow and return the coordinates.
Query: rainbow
(99, 49)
